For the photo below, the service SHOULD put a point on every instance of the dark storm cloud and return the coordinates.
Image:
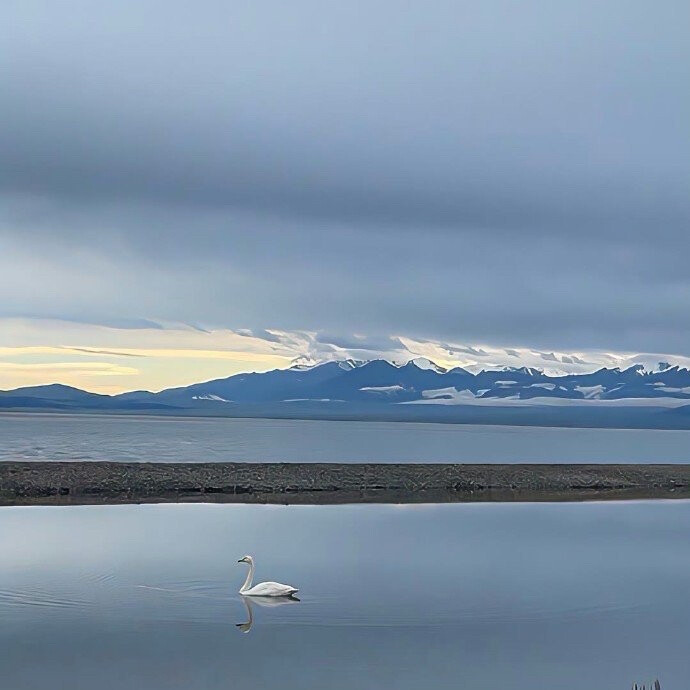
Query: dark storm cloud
(500, 171)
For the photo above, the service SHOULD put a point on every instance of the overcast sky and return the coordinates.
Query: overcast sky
(511, 173)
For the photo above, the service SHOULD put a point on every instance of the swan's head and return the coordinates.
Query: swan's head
(246, 559)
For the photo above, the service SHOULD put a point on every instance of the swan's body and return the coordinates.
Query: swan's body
(263, 589)
(269, 589)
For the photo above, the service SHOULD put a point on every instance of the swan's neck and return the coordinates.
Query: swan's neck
(248, 582)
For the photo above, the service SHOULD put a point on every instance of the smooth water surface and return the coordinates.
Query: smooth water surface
(482, 596)
(179, 439)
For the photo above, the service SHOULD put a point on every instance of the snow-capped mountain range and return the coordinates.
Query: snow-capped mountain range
(418, 382)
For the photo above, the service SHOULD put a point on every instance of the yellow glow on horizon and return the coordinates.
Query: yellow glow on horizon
(117, 370)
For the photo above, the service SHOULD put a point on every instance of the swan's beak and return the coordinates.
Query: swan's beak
(241, 560)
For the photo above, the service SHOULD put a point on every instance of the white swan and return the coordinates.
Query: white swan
(263, 589)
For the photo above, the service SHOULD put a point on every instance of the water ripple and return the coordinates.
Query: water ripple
(38, 598)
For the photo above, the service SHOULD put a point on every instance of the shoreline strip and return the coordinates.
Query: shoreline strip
(86, 483)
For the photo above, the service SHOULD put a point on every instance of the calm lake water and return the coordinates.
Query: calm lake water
(170, 439)
(482, 596)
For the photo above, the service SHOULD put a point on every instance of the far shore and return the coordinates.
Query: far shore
(85, 483)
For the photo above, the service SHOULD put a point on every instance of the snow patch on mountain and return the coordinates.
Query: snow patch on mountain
(685, 390)
(446, 396)
(590, 392)
(427, 364)
(382, 389)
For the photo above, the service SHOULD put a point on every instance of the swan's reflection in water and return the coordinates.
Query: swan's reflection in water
(250, 602)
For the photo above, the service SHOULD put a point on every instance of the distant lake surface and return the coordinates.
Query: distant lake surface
(485, 596)
(180, 439)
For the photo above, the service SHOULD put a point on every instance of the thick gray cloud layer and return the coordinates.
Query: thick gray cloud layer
(513, 172)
